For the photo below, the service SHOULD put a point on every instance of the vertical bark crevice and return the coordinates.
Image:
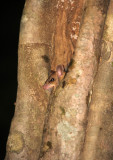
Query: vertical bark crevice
(49, 126)
(34, 45)
(99, 131)
(65, 130)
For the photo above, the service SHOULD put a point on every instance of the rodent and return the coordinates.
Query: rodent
(55, 77)
(68, 20)
(63, 53)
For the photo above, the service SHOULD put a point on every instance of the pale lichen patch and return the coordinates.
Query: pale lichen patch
(24, 19)
(66, 130)
(15, 142)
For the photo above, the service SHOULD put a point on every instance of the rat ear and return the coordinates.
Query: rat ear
(60, 70)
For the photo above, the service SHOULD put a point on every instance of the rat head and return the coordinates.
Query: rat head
(54, 78)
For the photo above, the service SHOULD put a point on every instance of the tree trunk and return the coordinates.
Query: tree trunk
(99, 135)
(35, 41)
(65, 125)
(49, 126)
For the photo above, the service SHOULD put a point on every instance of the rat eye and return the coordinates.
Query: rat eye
(52, 79)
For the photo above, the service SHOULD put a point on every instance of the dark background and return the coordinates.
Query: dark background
(10, 16)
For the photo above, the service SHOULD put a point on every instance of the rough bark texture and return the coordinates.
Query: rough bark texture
(59, 133)
(65, 122)
(35, 41)
(99, 135)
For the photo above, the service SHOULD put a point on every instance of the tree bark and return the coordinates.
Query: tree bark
(99, 135)
(49, 126)
(65, 124)
(35, 41)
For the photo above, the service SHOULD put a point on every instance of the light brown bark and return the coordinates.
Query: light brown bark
(35, 41)
(99, 135)
(59, 132)
(64, 131)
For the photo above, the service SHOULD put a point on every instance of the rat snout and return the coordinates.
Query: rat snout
(47, 87)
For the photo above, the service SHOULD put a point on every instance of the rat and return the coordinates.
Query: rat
(68, 20)
(55, 77)
(63, 53)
